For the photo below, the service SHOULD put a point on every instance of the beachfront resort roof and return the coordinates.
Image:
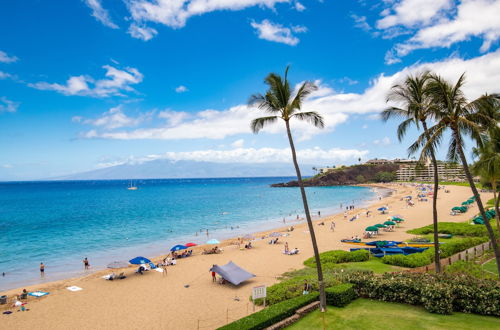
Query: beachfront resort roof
(233, 273)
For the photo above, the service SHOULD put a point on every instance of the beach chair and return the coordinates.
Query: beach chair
(121, 276)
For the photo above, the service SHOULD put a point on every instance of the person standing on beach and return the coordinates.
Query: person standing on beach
(319, 213)
(332, 226)
(42, 269)
(214, 279)
(86, 263)
(286, 247)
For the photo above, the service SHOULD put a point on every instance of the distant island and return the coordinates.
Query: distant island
(356, 174)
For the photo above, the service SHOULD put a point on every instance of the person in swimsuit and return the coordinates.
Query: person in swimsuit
(42, 269)
(86, 263)
(214, 279)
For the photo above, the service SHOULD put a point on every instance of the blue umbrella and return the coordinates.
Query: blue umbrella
(213, 241)
(382, 209)
(178, 247)
(139, 261)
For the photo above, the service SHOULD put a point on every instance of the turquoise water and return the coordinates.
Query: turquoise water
(60, 223)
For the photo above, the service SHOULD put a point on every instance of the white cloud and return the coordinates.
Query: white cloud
(483, 74)
(141, 32)
(100, 13)
(382, 142)
(5, 75)
(270, 31)
(181, 89)
(114, 118)
(441, 23)
(175, 13)
(116, 82)
(361, 23)
(364, 126)
(299, 6)
(251, 155)
(412, 13)
(7, 105)
(238, 143)
(5, 58)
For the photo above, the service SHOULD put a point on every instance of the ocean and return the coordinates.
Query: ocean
(61, 222)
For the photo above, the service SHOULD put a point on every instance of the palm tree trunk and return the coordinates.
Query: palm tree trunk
(437, 258)
(478, 199)
(495, 203)
(321, 284)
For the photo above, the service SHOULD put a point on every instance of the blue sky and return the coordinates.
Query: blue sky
(92, 83)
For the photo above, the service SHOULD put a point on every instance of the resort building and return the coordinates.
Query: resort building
(425, 172)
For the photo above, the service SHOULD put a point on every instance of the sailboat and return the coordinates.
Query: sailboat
(131, 186)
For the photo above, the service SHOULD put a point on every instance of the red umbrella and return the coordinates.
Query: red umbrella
(190, 244)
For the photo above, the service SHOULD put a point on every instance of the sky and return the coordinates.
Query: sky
(87, 84)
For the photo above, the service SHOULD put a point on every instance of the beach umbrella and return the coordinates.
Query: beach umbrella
(409, 197)
(275, 234)
(190, 244)
(382, 209)
(379, 225)
(213, 241)
(371, 228)
(139, 261)
(457, 208)
(117, 264)
(248, 236)
(397, 216)
(390, 223)
(178, 247)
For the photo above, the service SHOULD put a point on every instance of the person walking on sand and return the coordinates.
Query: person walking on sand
(332, 226)
(286, 248)
(214, 279)
(86, 263)
(345, 215)
(164, 267)
(42, 269)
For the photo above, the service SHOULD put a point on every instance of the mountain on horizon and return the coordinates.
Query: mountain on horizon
(168, 169)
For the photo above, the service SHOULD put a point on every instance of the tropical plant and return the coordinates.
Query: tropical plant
(280, 103)
(488, 166)
(416, 109)
(453, 111)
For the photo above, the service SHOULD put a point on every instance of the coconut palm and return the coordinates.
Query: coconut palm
(488, 165)
(280, 102)
(416, 110)
(453, 111)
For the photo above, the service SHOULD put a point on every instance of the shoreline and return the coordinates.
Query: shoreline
(255, 227)
(187, 291)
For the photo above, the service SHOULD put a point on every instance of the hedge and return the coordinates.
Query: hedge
(272, 314)
(338, 257)
(438, 293)
(454, 228)
(427, 257)
(340, 295)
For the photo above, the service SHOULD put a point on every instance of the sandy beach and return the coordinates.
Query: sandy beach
(155, 301)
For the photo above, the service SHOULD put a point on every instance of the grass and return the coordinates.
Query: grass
(491, 266)
(372, 314)
(374, 264)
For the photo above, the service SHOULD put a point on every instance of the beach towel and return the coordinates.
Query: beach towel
(74, 288)
(159, 270)
(38, 294)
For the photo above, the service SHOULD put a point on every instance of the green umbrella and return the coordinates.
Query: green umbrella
(390, 223)
(371, 228)
(457, 208)
(378, 225)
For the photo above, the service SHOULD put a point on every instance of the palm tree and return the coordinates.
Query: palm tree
(281, 104)
(416, 109)
(488, 165)
(452, 110)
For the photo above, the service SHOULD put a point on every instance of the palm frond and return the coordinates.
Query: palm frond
(403, 127)
(304, 90)
(312, 117)
(259, 123)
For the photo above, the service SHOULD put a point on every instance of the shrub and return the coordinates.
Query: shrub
(272, 314)
(438, 293)
(340, 295)
(427, 257)
(338, 257)
(293, 287)
(454, 228)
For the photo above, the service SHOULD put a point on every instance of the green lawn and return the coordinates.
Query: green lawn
(374, 264)
(491, 266)
(372, 314)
